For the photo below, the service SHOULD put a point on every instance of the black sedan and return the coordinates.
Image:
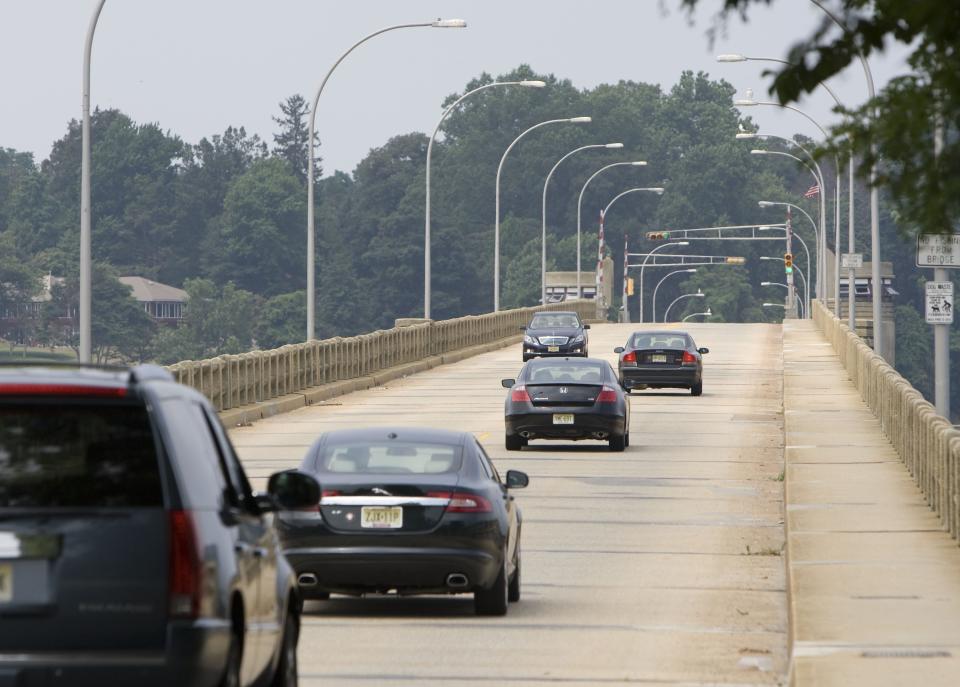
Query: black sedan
(411, 511)
(566, 398)
(661, 360)
(555, 333)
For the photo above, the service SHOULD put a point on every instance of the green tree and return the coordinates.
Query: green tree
(217, 321)
(282, 320)
(292, 138)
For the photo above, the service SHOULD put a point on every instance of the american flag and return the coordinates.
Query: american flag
(812, 191)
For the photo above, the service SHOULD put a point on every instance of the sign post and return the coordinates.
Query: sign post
(941, 252)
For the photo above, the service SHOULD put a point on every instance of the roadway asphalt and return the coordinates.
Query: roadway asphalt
(663, 564)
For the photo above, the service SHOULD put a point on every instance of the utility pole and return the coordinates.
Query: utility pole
(941, 332)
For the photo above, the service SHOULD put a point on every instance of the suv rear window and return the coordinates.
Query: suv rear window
(70, 455)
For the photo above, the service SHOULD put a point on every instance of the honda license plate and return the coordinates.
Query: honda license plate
(657, 358)
(563, 418)
(553, 349)
(6, 582)
(378, 517)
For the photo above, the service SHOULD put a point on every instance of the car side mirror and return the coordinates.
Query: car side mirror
(517, 479)
(703, 350)
(586, 326)
(618, 349)
(507, 383)
(292, 489)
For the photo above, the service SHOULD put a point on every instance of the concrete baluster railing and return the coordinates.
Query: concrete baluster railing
(927, 443)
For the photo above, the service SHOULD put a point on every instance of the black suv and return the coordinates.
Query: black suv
(555, 333)
(132, 549)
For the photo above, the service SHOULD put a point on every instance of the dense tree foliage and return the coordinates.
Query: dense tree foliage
(225, 218)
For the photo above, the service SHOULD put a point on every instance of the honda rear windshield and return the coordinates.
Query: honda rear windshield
(566, 372)
(390, 458)
(77, 456)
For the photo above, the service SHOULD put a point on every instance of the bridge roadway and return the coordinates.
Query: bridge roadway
(662, 564)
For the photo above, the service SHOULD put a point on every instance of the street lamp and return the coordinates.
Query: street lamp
(803, 244)
(773, 283)
(496, 230)
(311, 275)
(644, 266)
(851, 242)
(653, 309)
(750, 102)
(637, 163)
(86, 302)
(698, 294)
(800, 273)
(707, 313)
(426, 231)
(543, 224)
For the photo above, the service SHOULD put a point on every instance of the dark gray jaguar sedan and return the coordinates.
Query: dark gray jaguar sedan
(409, 511)
(661, 360)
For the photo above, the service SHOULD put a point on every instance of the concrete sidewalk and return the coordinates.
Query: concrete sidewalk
(874, 580)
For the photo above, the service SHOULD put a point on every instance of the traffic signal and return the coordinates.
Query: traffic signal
(629, 286)
(657, 235)
(736, 260)
(788, 262)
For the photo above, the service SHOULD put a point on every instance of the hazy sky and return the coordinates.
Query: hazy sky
(197, 66)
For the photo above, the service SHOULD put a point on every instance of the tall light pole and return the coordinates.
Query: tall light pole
(543, 223)
(819, 284)
(749, 102)
(816, 232)
(851, 240)
(86, 277)
(666, 313)
(436, 130)
(653, 308)
(311, 239)
(496, 230)
(636, 163)
(877, 291)
(806, 295)
(818, 178)
(643, 266)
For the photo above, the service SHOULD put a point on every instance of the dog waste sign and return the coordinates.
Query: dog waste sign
(938, 250)
(939, 302)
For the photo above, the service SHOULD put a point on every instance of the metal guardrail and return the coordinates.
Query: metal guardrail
(230, 381)
(927, 443)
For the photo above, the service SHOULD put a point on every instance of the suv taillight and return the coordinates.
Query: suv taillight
(607, 395)
(185, 575)
(519, 394)
(688, 358)
(630, 357)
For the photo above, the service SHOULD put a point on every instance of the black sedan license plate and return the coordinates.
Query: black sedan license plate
(658, 358)
(563, 418)
(377, 517)
(6, 582)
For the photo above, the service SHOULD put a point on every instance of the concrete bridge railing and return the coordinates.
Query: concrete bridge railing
(231, 381)
(927, 443)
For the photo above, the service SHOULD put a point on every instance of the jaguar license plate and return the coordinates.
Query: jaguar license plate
(563, 418)
(657, 358)
(378, 517)
(553, 349)
(6, 582)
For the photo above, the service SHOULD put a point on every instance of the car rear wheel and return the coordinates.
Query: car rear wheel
(618, 442)
(493, 601)
(286, 675)
(514, 442)
(697, 389)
